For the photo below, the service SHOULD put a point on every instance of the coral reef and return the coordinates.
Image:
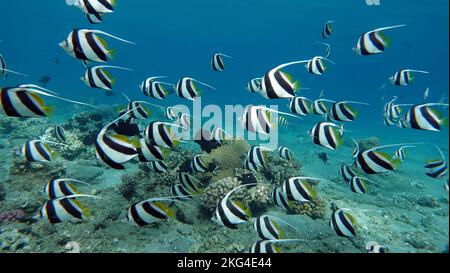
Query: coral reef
(229, 157)
(73, 148)
(316, 209)
(217, 190)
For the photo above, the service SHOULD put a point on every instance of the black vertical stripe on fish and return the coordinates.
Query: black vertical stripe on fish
(102, 78)
(95, 47)
(365, 167)
(379, 161)
(41, 151)
(425, 112)
(90, 78)
(260, 114)
(51, 189)
(24, 98)
(347, 225)
(9, 109)
(235, 211)
(117, 147)
(301, 190)
(106, 4)
(77, 49)
(223, 218)
(108, 161)
(50, 209)
(190, 88)
(375, 41)
(70, 208)
(136, 217)
(329, 136)
(344, 110)
(283, 83)
(65, 189)
(269, 226)
(148, 208)
(269, 88)
(165, 137)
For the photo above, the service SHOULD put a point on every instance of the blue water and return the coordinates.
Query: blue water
(177, 38)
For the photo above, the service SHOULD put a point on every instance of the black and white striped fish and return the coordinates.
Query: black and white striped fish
(285, 153)
(150, 211)
(64, 209)
(319, 107)
(373, 162)
(230, 213)
(257, 119)
(114, 150)
(59, 133)
(38, 151)
(187, 88)
(347, 172)
(405, 77)
(217, 62)
(278, 84)
(4, 69)
(342, 222)
(62, 187)
(158, 166)
(258, 155)
(327, 134)
(184, 120)
(198, 165)
(151, 87)
(25, 101)
(171, 114)
(423, 117)
(269, 246)
(300, 189)
(264, 246)
(268, 227)
(148, 152)
(219, 135)
(250, 166)
(357, 185)
(180, 192)
(254, 85)
(98, 77)
(401, 153)
(300, 106)
(373, 42)
(191, 183)
(94, 9)
(87, 46)
(343, 112)
(437, 168)
(279, 198)
(137, 110)
(327, 29)
(317, 66)
(160, 134)
(391, 110)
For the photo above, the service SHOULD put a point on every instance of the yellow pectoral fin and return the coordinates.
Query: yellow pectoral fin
(121, 138)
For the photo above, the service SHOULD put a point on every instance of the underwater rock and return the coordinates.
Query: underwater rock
(12, 240)
(316, 209)
(73, 148)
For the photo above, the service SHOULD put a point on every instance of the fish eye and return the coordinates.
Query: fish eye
(66, 43)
